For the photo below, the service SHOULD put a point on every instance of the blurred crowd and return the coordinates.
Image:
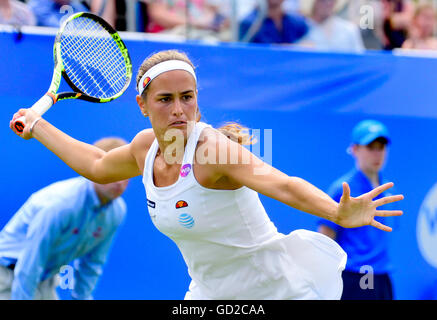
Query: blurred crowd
(333, 25)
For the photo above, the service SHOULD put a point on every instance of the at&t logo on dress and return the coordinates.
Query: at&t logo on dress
(186, 221)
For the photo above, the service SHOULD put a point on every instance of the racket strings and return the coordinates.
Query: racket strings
(92, 59)
(94, 76)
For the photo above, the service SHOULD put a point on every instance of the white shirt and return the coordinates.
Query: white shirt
(230, 246)
(334, 34)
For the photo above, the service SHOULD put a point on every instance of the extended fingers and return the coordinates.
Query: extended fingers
(380, 226)
(388, 213)
(380, 189)
(346, 191)
(389, 199)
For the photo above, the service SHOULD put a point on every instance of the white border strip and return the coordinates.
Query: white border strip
(125, 35)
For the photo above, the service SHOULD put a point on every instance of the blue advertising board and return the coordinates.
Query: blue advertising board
(302, 106)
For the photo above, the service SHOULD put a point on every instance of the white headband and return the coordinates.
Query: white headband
(162, 67)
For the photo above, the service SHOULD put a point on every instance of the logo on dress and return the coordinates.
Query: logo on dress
(181, 204)
(151, 204)
(185, 170)
(186, 220)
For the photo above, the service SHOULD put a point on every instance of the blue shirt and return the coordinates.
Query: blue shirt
(365, 245)
(49, 13)
(294, 27)
(58, 224)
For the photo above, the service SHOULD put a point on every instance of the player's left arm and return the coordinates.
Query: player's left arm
(252, 172)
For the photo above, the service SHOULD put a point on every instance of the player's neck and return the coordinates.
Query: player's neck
(172, 151)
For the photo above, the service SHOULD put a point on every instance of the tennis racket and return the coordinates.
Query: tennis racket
(91, 57)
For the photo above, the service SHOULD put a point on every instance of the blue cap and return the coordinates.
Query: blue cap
(369, 130)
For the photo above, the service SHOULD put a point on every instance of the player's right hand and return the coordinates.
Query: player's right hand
(30, 116)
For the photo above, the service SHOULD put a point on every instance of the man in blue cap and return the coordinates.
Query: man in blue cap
(366, 276)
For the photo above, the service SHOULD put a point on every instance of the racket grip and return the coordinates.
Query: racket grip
(40, 107)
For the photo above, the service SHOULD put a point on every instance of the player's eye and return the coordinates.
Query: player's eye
(164, 99)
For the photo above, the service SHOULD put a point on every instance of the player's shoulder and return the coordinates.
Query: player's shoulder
(142, 141)
(144, 138)
(211, 138)
(210, 134)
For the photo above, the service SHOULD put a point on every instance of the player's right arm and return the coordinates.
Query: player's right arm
(87, 160)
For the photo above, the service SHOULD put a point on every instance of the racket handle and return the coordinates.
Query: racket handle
(40, 107)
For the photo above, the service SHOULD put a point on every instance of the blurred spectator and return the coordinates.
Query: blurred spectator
(106, 9)
(121, 19)
(73, 221)
(398, 15)
(16, 13)
(328, 31)
(367, 272)
(368, 15)
(195, 19)
(51, 13)
(421, 32)
(291, 6)
(276, 26)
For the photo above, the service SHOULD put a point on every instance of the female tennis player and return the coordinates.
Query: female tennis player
(207, 202)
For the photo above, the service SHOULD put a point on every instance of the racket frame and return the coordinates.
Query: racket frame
(52, 96)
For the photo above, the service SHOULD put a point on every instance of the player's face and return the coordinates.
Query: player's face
(371, 158)
(171, 102)
(110, 191)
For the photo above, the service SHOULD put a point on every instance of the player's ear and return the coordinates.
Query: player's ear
(142, 105)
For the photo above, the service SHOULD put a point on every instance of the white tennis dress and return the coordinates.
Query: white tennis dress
(231, 248)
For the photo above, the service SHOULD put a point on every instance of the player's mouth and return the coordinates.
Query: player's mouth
(179, 123)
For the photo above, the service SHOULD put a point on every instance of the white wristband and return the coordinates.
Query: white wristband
(34, 123)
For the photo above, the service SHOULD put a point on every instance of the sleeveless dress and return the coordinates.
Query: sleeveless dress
(230, 246)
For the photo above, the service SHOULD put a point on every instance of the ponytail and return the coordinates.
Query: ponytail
(237, 133)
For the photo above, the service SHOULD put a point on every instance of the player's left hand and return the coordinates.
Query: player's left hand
(361, 211)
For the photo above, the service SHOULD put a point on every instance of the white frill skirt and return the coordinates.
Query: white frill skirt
(302, 265)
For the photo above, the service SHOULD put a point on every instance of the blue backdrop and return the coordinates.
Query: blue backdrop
(310, 100)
